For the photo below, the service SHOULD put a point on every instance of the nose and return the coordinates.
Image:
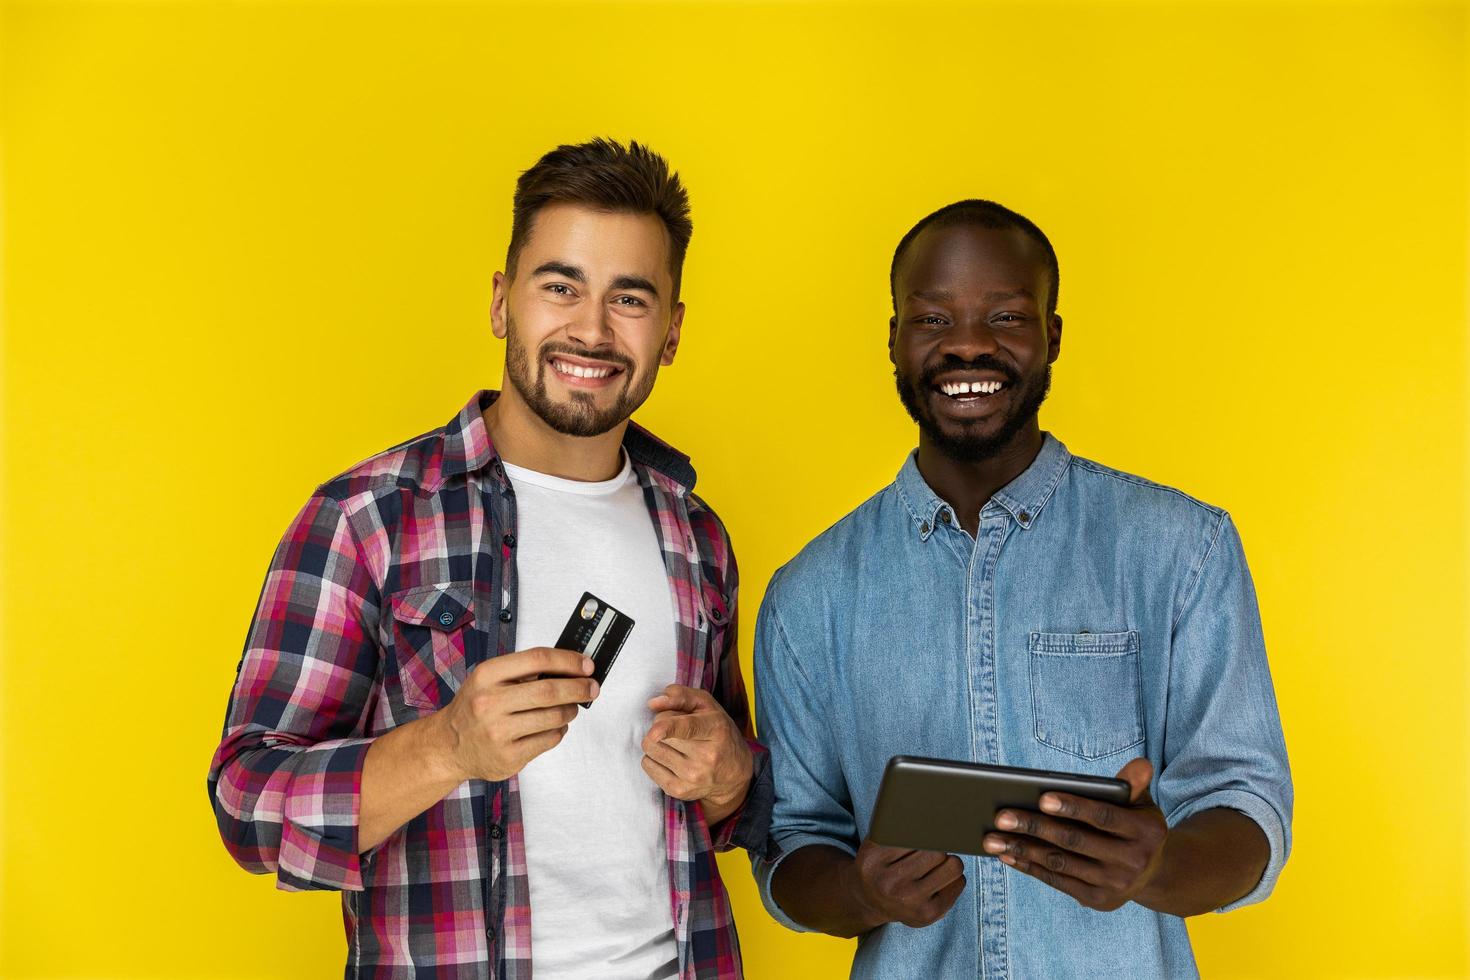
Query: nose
(592, 329)
(969, 338)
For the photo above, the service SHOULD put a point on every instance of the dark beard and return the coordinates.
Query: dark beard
(969, 447)
(581, 416)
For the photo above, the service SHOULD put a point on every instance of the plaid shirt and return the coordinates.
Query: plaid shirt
(396, 578)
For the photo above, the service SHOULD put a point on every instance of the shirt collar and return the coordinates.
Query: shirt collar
(1022, 498)
(467, 446)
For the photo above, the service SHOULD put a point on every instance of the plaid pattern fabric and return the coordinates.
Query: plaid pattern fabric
(393, 581)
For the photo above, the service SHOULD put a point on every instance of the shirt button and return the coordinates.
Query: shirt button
(505, 615)
(446, 618)
(1024, 516)
(495, 831)
(490, 933)
(944, 517)
(510, 540)
(924, 528)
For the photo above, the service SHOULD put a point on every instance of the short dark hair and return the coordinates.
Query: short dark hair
(985, 214)
(607, 176)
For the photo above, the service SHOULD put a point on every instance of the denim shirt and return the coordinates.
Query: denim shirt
(1094, 617)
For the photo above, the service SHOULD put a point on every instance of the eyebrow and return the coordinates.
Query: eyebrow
(635, 282)
(555, 268)
(574, 273)
(944, 295)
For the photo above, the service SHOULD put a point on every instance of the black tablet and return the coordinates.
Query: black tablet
(940, 805)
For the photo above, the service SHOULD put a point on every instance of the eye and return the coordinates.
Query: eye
(1010, 318)
(629, 301)
(931, 320)
(559, 288)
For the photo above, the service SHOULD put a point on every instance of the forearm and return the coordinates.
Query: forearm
(405, 772)
(817, 887)
(1209, 860)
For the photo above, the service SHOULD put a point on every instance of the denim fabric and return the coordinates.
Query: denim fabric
(1093, 618)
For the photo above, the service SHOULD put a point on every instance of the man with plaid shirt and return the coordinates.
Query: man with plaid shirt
(401, 729)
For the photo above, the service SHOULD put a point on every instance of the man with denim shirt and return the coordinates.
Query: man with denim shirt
(1006, 602)
(401, 729)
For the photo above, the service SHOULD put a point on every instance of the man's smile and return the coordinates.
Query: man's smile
(968, 394)
(584, 373)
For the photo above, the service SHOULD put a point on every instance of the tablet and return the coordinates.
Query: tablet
(941, 805)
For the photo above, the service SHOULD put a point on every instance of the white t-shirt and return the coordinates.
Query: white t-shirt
(596, 857)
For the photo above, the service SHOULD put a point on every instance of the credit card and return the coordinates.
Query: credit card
(596, 630)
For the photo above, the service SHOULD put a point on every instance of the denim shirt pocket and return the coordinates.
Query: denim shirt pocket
(430, 627)
(1087, 692)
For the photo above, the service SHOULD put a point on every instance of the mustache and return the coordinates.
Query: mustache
(607, 357)
(952, 363)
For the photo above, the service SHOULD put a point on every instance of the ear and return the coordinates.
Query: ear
(501, 286)
(1053, 339)
(892, 336)
(671, 342)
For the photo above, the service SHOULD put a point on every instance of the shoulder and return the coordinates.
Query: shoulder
(1135, 498)
(827, 562)
(414, 466)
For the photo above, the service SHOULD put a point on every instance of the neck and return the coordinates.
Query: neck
(522, 438)
(967, 486)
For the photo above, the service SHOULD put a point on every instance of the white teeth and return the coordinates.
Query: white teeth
(578, 371)
(954, 388)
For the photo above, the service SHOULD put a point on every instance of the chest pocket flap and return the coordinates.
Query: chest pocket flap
(430, 624)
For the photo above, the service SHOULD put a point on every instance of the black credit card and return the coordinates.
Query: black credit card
(596, 630)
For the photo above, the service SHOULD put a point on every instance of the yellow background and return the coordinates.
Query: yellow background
(247, 245)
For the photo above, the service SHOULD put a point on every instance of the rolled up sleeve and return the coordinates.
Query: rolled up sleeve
(812, 804)
(285, 781)
(1223, 743)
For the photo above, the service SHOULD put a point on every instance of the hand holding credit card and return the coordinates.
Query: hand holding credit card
(598, 631)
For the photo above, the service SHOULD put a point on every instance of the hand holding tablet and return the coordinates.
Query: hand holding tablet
(942, 805)
(1097, 839)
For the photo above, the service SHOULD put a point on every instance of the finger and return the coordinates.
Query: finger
(1067, 833)
(668, 758)
(943, 875)
(916, 864)
(549, 691)
(1041, 854)
(1107, 817)
(654, 737)
(691, 728)
(531, 746)
(1138, 773)
(1084, 893)
(677, 697)
(946, 896)
(525, 664)
(526, 723)
(881, 855)
(660, 726)
(666, 778)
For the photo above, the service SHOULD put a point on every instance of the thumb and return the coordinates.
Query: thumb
(676, 697)
(1138, 773)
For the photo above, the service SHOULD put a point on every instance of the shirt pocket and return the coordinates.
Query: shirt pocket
(1087, 692)
(431, 624)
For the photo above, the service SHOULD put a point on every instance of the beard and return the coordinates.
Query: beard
(580, 414)
(970, 445)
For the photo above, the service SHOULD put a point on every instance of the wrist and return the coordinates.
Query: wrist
(438, 743)
(730, 796)
(851, 884)
(718, 807)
